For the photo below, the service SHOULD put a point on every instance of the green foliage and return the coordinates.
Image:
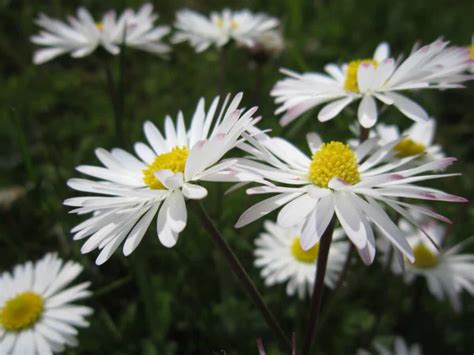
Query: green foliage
(185, 300)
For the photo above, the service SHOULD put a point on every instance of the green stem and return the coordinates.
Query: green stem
(241, 274)
(318, 288)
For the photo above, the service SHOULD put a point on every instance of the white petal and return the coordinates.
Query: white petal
(334, 108)
(367, 112)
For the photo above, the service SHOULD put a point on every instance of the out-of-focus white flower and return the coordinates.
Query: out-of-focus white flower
(9, 195)
(417, 140)
(270, 44)
(352, 185)
(447, 271)
(219, 28)
(434, 66)
(37, 314)
(81, 35)
(132, 191)
(278, 252)
(400, 347)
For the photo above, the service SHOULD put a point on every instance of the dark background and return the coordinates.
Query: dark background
(184, 300)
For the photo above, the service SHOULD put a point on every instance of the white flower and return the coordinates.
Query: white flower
(219, 28)
(416, 140)
(278, 252)
(82, 34)
(269, 43)
(447, 272)
(400, 347)
(433, 66)
(132, 191)
(336, 180)
(36, 311)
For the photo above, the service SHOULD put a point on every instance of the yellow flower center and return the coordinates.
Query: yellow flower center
(174, 161)
(471, 51)
(408, 147)
(21, 311)
(334, 159)
(306, 256)
(351, 83)
(99, 25)
(234, 24)
(424, 257)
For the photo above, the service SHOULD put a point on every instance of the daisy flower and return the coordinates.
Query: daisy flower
(81, 35)
(433, 66)
(353, 185)
(417, 140)
(400, 347)
(278, 252)
(447, 271)
(131, 191)
(220, 28)
(37, 315)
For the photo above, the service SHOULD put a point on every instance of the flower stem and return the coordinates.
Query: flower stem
(318, 287)
(242, 275)
(221, 75)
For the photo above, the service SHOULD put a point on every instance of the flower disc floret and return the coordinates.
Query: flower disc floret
(21, 311)
(334, 159)
(306, 256)
(351, 84)
(424, 257)
(175, 161)
(408, 147)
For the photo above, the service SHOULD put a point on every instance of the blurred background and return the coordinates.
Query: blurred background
(184, 300)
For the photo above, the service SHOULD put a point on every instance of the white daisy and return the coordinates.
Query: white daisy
(268, 44)
(337, 180)
(433, 66)
(278, 252)
(220, 28)
(400, 347)
(36, 311)
(447, 272)
(132, 191)
(417, 140)
(81, 35)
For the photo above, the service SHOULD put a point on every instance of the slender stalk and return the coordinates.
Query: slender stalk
(318, 287)
(258, 82)
(241, 274)
(222, 68)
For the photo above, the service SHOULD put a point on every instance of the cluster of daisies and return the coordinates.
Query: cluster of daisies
(369, 186)
(83, 34)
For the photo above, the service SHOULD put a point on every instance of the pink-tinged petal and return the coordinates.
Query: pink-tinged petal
(295, 211)
(294, 112)
(194, 192)
(382, 52)
(382, 73)
(365, 76)
(338, 184)
(408, 107)
(264, 207)
(367, 112)
(350, 219)
(332, 109)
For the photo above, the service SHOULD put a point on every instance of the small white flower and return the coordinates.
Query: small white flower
(269, 43)
(447, 272)
(433, 66)
(336, 180)
(400, 347)
(36, 311)
(81, 35)
(132, 191)
(417, 140)
(278, 252)
(219, 28)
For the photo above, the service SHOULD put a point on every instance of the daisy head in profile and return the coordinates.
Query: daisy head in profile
(242, 26)
(447, 270)
(37, 310)
(355, 186)
(279, 254)
(82, 34)
(128, 191)
(380, 78)
(417, 140)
